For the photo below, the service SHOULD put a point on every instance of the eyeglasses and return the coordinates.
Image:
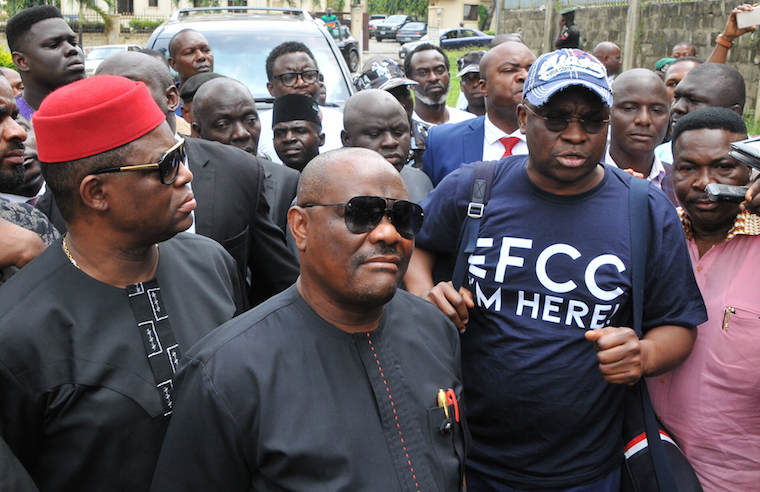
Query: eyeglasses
(168, 166)
(363, 213)
(288, 79)
(560, 123)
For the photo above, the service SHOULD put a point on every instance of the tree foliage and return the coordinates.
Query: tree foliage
(418, 8)
(336, 5)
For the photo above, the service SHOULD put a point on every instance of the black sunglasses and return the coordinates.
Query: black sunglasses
(288, 79)
(167, 166)
(363, 213)
(560, 123)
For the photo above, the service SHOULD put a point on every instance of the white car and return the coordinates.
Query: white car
(97, 54)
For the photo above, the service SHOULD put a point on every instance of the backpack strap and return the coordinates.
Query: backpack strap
(482, 178)
(640, 241)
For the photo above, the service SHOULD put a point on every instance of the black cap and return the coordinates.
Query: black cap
(383, 74)
(292, 107)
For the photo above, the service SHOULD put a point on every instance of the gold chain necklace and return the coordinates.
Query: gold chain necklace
(68, 253)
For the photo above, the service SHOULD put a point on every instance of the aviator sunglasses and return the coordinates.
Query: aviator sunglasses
(168, 166)
(560, 123)
(363, 213)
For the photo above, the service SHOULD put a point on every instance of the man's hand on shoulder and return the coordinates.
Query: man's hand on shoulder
(19, 246)
(619, 351)
(454, 304)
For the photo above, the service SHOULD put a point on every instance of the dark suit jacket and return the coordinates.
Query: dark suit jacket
(452, 144)
(228, 184)
(280, 186)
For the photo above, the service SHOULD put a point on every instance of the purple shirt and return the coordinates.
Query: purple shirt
(711, 402)
(23, 107)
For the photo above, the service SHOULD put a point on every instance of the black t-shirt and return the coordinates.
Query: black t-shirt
(569, 37)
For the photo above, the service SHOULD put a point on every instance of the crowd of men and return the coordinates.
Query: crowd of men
(201, 295)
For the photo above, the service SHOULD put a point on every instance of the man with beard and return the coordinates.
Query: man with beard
(224, 111)
(428, 65)
(190, 54)
(45, 52)
(292, 69)
(548, 352)
(710, 402)
(375, 120)
(297, 130)
(15, 212)
(502, 72)
(378, 370)
(92, 331)
(707, 85)
(638, 122)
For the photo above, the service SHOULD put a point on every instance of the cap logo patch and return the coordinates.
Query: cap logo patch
(562, 62)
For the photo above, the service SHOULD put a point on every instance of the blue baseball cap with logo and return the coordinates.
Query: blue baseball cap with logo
(558, 70)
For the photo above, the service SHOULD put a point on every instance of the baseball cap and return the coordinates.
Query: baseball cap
(469, 62)
(558, 70)
(382, 74)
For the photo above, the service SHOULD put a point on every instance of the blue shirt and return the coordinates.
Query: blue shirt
(546, 269)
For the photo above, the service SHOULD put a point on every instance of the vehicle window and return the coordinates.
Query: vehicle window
(103, 53)
(396, 18)
(467, 33)
(413, 26)
(248, 65)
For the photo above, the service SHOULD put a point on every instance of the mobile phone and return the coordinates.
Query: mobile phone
(748, 18)
(747, 152)
(725, 193)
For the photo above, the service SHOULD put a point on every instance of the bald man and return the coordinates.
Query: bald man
(190, 54)
(378, 368)
(683, 49)
(638, 123)
(14, 79)
(224, 111)
(375, 120)
(611, 57)
(503, 70)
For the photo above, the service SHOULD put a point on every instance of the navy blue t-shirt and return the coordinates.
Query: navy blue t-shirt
(546, 269)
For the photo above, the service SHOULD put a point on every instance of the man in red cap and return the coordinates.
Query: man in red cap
(92, 330)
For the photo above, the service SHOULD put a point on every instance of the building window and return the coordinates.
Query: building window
(152, 3)
(470, 12)
(237, 3)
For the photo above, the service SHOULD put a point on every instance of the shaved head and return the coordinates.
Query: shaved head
(224, 110)
(609, 54)
(501, 52)
(341, 167)
(365, 101)
(150, 71)
(639, 77)
(216, 90)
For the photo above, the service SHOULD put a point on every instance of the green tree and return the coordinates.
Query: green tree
(336, 5)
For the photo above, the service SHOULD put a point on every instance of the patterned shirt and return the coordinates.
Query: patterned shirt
(30, 218)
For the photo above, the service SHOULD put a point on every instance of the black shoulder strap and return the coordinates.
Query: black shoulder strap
(482, 178)
(640, 240)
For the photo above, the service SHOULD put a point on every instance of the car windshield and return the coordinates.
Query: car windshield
(103, 53)
(396, 18)
(414, 26)
(232, 59)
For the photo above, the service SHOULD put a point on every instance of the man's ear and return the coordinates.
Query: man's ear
(344, 138)
(19, 59)
(522, 118)
(171, 63)
(172, 97)
(298, 222)
(196, 127)
(270, 88)
(736, 108)
(321, 139)
(93, 194)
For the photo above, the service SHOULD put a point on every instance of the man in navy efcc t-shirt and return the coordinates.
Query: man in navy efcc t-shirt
(547, 353)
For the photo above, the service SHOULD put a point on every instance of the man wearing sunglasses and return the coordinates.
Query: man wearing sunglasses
(92, 331)
(292, 69)
(342, 382)
(547, 354)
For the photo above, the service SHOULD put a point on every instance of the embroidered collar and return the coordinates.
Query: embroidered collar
(746, 223)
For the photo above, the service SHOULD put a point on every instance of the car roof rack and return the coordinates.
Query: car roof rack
(186, 12)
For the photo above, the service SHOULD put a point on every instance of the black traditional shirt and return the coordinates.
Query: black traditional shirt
(80, 404)
(279, 399)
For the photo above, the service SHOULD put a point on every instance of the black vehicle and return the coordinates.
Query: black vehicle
(389, 28)
(412, 31)
(242, 37)
(348, 46)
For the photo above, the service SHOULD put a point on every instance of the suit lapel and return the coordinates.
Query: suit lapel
(472, 150)
(203, 184)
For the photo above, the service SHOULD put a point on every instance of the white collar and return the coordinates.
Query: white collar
(492, 133)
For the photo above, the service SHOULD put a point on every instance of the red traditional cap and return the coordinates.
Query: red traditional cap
(93, 115)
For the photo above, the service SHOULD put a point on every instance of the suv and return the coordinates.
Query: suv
(241, 38)
(389, 28)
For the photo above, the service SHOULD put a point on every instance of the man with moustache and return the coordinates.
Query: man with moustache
(719, 378)
(676, 71)
(428, 65)
(190, 54)
(374, 120)
(377, 368)
(92, 331)
(224, 111)
(297, 130)
(15, 213)
(547, 352)
(228, 185)
(502, 70)
(292, 69)
(638, 122)
(707, 85)
(45, 52)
